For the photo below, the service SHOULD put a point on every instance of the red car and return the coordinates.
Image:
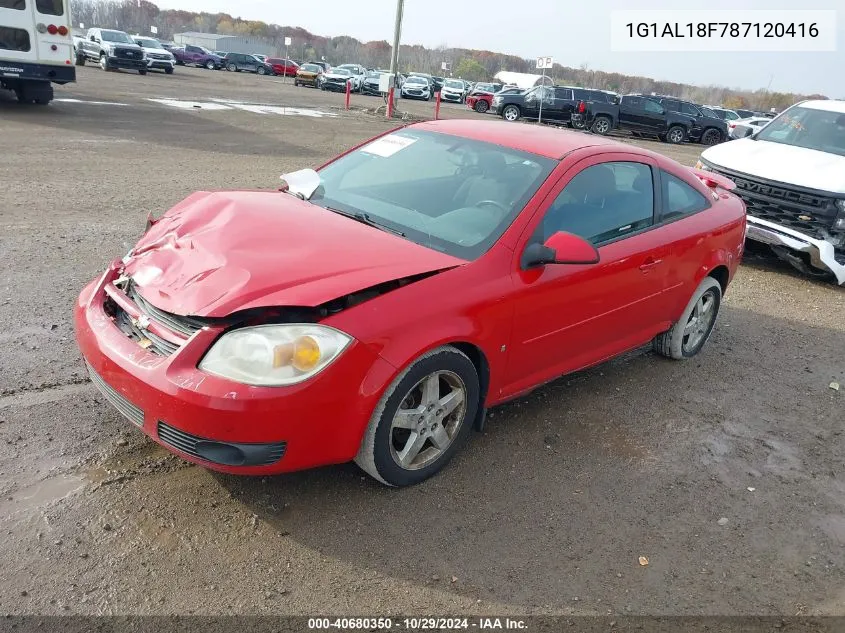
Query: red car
(286, 67)
(481, 97)
(373, 310)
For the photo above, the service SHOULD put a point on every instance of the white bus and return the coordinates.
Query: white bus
(36, 48)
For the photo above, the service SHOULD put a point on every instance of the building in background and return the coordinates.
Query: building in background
(227, 43)
(522, 80)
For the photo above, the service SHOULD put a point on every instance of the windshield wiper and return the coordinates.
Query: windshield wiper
(365, 218)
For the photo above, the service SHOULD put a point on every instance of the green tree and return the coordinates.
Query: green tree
(470, 70)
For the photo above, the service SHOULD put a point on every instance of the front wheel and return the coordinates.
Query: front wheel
(80, 60)
(262, 71)
(169, 70)
(675, 135)
(210, 64)
(142, 71)
(231, 68)
(481, 106)
(422, 419)
(511, 113)
(690, 333)
(104, 62)
(601, 125)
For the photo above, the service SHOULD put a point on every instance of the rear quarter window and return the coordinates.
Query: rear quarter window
(679, 198)
(50, 7)
(18, 5)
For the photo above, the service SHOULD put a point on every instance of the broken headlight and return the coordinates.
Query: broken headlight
(839, 222)
(274, 355)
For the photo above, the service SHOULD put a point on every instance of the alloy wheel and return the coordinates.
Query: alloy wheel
(700, 322)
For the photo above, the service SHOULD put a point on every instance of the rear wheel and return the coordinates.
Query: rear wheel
(601, 125)
(142, 71)
(690, 333)
(262, 70)
(675, 135)
(231, 68)
(711, 136)
(511, 113)
(80, 60)
(481, 106)
(577, 124)
(422, 419)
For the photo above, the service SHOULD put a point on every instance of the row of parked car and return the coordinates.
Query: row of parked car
(668, 118)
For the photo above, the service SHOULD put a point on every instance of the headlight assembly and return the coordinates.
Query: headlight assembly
(274, 355)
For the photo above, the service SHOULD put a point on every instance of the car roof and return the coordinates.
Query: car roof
(832, 105)
(534, 139)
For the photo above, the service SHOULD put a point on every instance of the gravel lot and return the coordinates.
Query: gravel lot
(726, 472)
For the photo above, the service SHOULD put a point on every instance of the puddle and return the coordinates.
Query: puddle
(41, 494)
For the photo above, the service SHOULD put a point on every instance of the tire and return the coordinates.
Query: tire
(676, 135)
(711, 136)
(672, 344)
(511, 113)
(104, 62)
(262, 70)
(231, 68)
(601, 125)
(168, 71)
(210, 65)
(142, 71)
(380, 453)
(481, 106)
(577, 125)
(80, 60)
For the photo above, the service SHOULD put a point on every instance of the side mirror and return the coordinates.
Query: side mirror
(560, 248)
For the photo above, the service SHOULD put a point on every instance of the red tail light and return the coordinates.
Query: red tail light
(63, 30)
(582, 107)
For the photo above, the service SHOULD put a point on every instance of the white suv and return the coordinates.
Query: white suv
(791, 175)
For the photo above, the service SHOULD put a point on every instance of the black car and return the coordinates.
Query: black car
(241, 62)
(641, 115)
(705, 128)
(559, 104)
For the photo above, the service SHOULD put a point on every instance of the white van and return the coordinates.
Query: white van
(791, 175)
(36, 48)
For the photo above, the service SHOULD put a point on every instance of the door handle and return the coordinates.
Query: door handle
(650, 263)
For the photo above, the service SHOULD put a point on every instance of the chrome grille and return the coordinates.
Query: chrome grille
(127, 409)
(805, 212)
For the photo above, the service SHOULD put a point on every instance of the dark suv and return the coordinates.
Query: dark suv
(704, 128)
(241, 62)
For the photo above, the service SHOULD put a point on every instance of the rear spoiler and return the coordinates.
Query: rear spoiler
(714, 180)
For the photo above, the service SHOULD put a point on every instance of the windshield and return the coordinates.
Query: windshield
(484, 87)
(448, 193)
(821, 130)
(416, 80)
(116, 36)
(341, 71)
(311, 68)
(451, 83)
(148, 42)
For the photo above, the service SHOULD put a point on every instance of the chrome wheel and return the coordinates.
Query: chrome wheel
(210, 64)
(675, 135)
(700, 322)
(428, 420)
(104, 62)
(601, 126)
(511, 113)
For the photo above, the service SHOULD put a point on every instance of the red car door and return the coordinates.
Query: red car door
(568, 317)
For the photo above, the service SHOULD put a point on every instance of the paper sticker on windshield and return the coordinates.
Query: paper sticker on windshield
(388, 145)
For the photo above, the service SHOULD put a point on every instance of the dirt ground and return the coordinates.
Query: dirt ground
(726, 472)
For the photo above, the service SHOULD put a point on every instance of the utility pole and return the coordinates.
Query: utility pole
(394, 55)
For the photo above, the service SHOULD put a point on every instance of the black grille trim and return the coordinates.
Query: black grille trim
(266, 454)
(128, 410)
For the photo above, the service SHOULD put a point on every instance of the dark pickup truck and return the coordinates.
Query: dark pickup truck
(560, 103)
(646, 116)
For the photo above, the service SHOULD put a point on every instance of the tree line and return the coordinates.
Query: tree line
(137, 16)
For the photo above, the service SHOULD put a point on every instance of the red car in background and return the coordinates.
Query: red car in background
(285, 67)
(374, 309)
(480, 97)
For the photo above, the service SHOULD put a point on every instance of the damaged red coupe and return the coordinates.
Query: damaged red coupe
(374, 309)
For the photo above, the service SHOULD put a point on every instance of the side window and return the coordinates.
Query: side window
(652, 106)
(18, 5)
(671, 105)
(690, 109)
(563, 93)
(679, 199)
(14, 39)
(635, 103)
(604, 202)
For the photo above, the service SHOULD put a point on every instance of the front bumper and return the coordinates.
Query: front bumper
(122, 62)
(160, 64)
(454, 98)
(221, 424)
(408, 95)
(821, 253)
(371, 89)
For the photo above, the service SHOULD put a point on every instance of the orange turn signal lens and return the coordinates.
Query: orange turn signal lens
(306, 353)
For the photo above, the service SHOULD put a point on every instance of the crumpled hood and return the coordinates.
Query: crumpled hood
(781, 163)
(218, 253)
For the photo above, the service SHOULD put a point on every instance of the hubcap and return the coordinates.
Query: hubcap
(510, 114)
(700, 322)
(427, 421)
(601, 126)
(676, 136)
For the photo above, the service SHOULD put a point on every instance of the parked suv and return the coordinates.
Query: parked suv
(791, 176)
(558, 104)
(197, 56)
(112, 50)
(158, 58)
(241, 62)
(705, 128)
(641, 115)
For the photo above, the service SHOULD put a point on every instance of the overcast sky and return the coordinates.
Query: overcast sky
(575, 32)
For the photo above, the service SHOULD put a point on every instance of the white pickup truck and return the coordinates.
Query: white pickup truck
(791, 176)
(36, 49)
